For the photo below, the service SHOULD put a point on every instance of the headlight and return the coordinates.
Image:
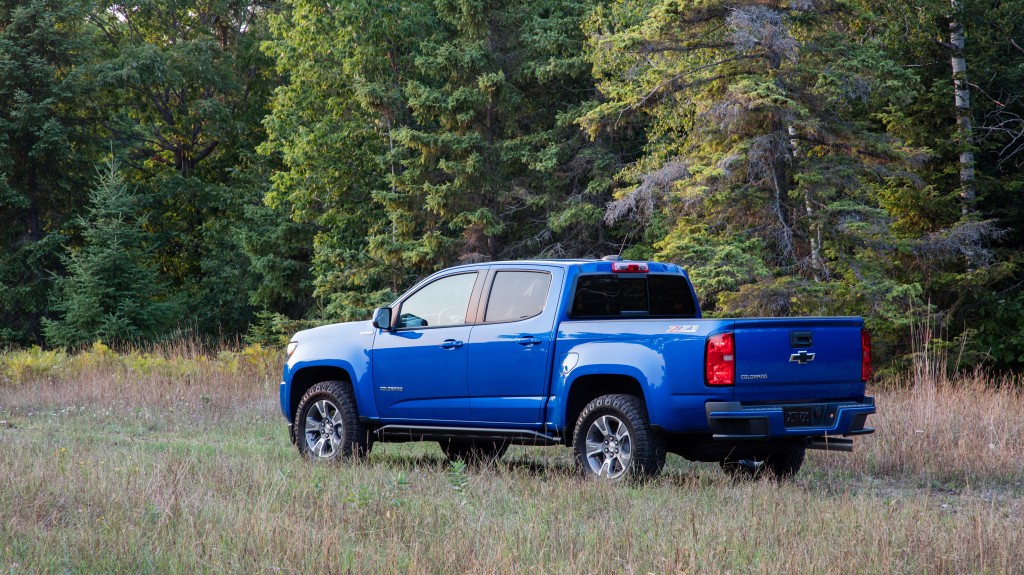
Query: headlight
(291, 349)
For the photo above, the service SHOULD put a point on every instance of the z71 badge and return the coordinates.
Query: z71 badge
(688, 328)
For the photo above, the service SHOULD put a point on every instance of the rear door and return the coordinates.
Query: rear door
(510, 350)
(796, 359)
(420, 367)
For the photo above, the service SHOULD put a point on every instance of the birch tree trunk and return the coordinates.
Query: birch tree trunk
(962, 98)
(817, 262)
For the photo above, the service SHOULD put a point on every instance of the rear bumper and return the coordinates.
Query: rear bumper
(732, 420)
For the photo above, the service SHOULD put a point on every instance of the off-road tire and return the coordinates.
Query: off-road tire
(780, 463)
(473, 451)
(332, 404)
(646, 452)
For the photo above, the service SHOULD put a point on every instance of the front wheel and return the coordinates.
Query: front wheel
(327, 423)
(614, 439)
(781, 463)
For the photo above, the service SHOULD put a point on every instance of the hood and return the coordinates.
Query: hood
(334, 331)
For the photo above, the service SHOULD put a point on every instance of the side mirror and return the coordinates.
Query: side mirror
(382, 318)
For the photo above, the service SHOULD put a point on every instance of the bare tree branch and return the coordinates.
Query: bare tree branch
(640, 203)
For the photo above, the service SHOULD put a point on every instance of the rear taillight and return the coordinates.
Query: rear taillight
(865, 355)
(720, 360)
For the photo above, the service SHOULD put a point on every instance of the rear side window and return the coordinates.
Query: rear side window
(517, 295)
(655, 295)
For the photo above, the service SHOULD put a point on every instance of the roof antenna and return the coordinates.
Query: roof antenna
(617, 257)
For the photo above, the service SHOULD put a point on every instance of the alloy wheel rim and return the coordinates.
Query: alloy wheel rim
(609, 447)
(324, 429)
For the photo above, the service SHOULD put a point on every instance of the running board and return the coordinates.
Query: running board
(830, 444)
(398, 433)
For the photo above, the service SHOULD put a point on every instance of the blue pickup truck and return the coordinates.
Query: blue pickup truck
(609, 357)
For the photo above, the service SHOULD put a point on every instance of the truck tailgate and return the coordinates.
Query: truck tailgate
(799, 359)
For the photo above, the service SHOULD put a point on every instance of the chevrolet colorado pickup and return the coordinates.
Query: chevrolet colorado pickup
(609, 357)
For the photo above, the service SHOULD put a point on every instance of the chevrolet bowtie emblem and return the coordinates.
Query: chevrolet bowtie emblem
(802, 357)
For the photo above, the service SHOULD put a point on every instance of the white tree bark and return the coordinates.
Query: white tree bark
(962, 100)
(817, 262)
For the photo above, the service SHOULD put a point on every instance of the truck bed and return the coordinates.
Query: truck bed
(777, 361)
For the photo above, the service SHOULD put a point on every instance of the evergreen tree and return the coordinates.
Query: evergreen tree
(771, 160)
(44, 150)
(487, 148)
(330, 125)
(112, 291)
(796, 156)
(933, 38)
(420, 134)
(189, 86)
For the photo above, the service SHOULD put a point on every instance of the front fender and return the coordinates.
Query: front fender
(356, 374)
(341, 346)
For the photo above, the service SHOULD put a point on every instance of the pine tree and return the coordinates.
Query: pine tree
(494, 157)
(112, 291)
(189, 87)
(45, 150)
(420, 134)
(973, 126)
(331, 126)
(771, 158)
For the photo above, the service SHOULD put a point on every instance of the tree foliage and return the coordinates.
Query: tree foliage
(420, 134)
(112, 291)
(188, 86)
(44, 150)
(776, 159)
(294, 162)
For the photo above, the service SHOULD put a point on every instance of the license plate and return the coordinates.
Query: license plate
(796, 416)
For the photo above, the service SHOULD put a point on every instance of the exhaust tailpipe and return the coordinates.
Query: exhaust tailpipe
(830, 444)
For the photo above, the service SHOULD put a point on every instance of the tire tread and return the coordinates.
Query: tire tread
(358, 441)
(648, 449)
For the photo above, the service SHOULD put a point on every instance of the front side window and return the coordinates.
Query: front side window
(517, 295)
(441, 302)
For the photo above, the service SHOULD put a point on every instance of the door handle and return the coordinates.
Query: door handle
(451, 344)
(528, 340)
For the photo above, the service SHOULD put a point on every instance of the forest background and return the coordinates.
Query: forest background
(226, 169)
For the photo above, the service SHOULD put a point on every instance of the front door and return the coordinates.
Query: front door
(420, 367)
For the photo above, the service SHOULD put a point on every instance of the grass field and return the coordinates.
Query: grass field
(177, 463)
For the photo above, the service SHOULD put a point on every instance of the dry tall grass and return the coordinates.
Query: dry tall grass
(121, 467)
(960, 431)
(182, 374)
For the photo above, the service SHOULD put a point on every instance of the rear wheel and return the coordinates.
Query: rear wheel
(781, 463)
(473, 451)
(614, 439)
(327, 423)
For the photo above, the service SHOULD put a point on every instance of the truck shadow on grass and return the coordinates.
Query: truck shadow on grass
(430, 462)
(554, 468)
